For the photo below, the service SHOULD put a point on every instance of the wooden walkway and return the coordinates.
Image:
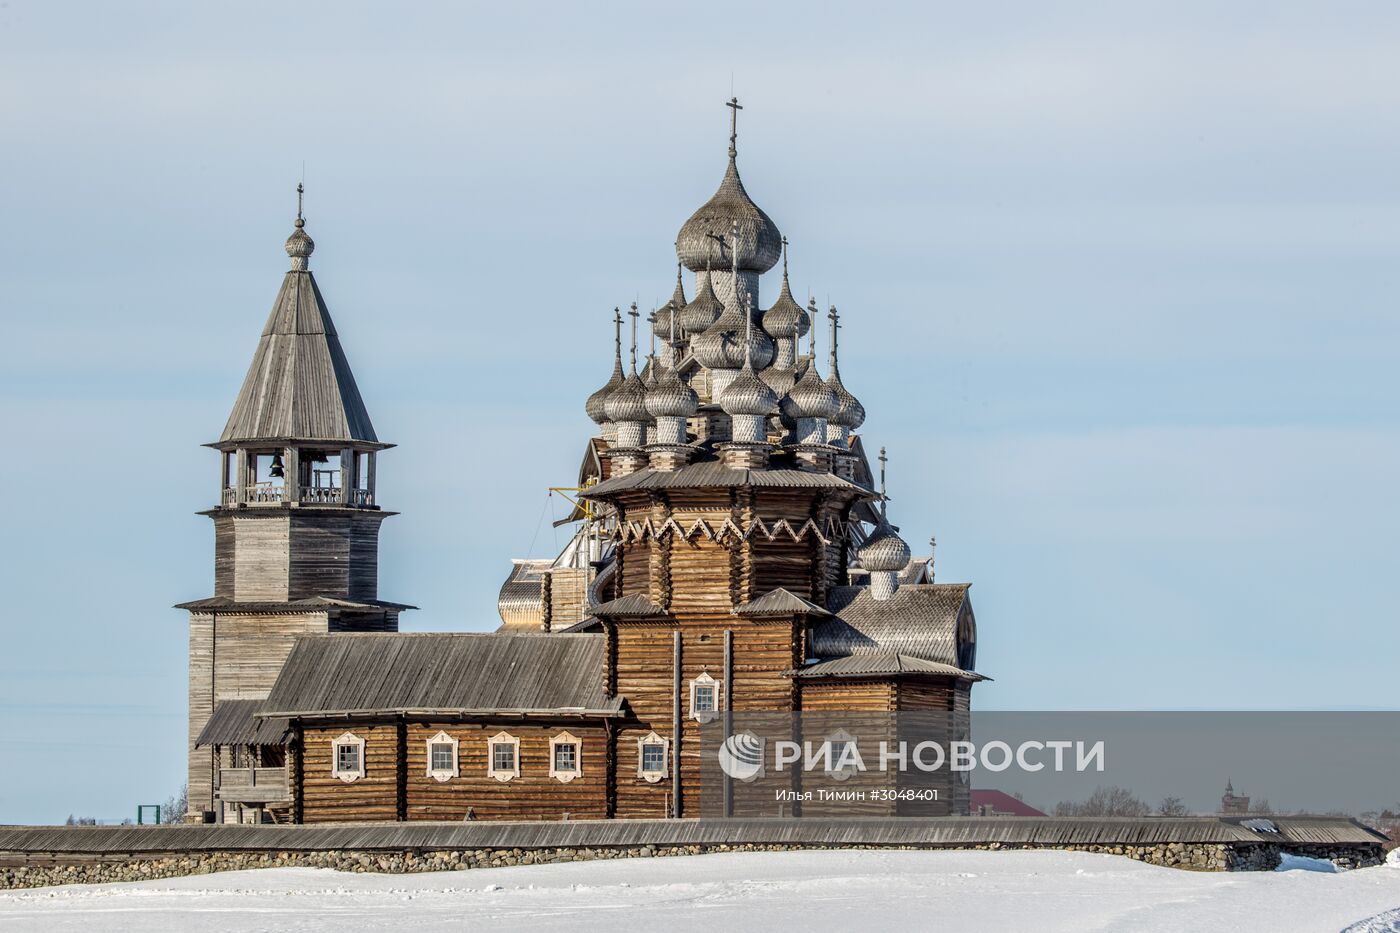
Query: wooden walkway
(949, 832)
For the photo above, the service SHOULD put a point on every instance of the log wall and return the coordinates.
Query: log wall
(325, 798)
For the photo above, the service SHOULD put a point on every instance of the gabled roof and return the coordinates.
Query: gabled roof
(918, 620)
(779, 602)
(635, 606)
(342, 676)
(881, 664)
(299, 386)
(234, 722)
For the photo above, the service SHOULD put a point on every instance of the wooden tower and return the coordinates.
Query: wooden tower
(296, 524)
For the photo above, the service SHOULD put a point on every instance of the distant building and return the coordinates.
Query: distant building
(999, 803)
(1233, 804)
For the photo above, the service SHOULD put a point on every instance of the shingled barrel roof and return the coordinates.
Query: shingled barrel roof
(330, 676)
(920, 621)
(299, 385)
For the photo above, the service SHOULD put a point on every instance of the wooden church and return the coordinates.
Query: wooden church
(732, 552)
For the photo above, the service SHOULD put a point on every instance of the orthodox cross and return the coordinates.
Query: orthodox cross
(301, 222)
(884, 499)
(734, 108)
(633, 314)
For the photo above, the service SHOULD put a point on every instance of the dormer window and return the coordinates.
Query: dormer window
(565, 757)
(503, 756)
(348, 757)
(704, 698)
(442, 757)
(652, 752)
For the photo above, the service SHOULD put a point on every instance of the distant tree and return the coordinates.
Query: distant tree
(173, 810)
(1171, 806)
(1105, 801)
(81, 820)
(1262, 807)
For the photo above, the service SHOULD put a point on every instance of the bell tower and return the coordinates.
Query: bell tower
(296, 524)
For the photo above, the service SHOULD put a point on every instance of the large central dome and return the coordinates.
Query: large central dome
(705, 237)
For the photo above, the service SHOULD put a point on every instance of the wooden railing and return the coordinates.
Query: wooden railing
(253, 785)
(268, 494)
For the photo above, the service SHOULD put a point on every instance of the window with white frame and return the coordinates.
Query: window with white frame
(348, 757)
(442, 757)
(565, 757)
(704, 698)
(843, 759)
(503, 756)
(652, 754)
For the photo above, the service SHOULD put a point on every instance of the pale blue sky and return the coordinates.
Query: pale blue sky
(1120, 282)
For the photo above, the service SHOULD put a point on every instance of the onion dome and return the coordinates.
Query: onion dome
(595, 404)
(671, 398)
(729, 341)
(786, 318)
(628, 402)
(850, 413)
(759, 242)
(748, 395)
(697, 316)
(300, 246)
(661, 325)
(884, 551)
(811, 397)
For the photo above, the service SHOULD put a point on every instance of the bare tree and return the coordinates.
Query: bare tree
(173, 810)
(1105, 801)
(1171, 806)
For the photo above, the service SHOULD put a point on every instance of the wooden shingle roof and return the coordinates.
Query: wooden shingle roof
(918, 620)
(235, 722)
(299, 386)
(331, 676)
(882, 664)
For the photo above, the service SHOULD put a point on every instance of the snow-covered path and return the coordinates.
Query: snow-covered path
(762, 891)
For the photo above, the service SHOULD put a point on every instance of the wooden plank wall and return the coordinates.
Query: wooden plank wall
(533, 795)
(328, 799)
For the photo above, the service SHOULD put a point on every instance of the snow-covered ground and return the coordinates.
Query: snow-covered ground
(859, 891)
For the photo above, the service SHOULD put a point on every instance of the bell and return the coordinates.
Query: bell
(276, 470)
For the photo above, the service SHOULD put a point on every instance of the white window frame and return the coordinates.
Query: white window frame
(348, 738)
(441, 774)
(832, 771)
(651, 777)
(566, 738)
(705, 680)
(502, 738)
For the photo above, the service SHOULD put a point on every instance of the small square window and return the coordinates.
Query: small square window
(503, 756)
(654, 757)
(566, 757)
(704, 698)
(347, 758)
(442, 756)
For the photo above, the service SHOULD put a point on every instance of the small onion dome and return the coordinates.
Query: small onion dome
(661, 327)
(811, 397)
(697, 316)
(628, 402)
(850, 413)
(786, 318)
(671, 398)
(729, 341)
(884, 550)
(748, 395)
(595, 406)
(760, 243)
(299, 244)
